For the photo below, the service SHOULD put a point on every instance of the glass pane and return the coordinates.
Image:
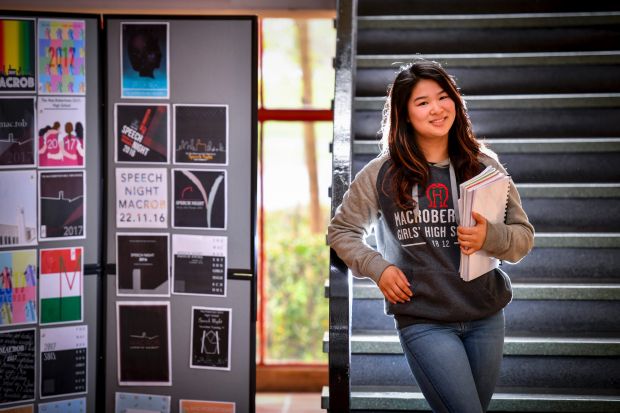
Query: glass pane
(297, 63)
(296, 256)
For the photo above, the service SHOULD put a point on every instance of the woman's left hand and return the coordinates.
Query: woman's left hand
(471, 239)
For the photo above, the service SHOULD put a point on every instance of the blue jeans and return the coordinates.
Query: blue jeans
(456, 365)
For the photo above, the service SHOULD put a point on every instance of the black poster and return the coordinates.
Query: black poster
(142, 265)
(201, 134)
(142, 133)
(199, 265)
(143, 343)
(61, 205)
(199, 199)
(16, 132)
(64, 360)
(210, 338)
(17, 356)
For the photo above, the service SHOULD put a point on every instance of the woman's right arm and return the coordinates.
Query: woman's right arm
(353, 221)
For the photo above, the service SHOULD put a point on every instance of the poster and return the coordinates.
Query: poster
(28, 408)
(17, 358)
(17, 57)
(61, 285)
(205, 406)
(210, 342)
(64, 360)
(144, 60)
(142, 265)
(141, 403)
(141, 133)
(201, 134)
(61, 205)
(61, 130)
(62, 57)
(18, 287)
(64, 406)
(143, 334)
(17, 132)
(199, 264)
(199, 199)
(18, 215)
(141, 198)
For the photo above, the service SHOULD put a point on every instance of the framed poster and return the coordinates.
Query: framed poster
(61, 205)
(141, 198)
(199, 199)
(201, 134)
(18, 215)
(61, 285)
(145, 67)
(199, 264)
(62, 57)
(136, 402)
(17, 358)
(17, 132)
(64, 406)
(141, 133)
(17, 58)
(61, 131)
(64, 360)
(18, 287)
(142, 265)
(143, 343)
(211, 338)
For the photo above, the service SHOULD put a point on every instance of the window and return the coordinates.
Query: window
(296, 91)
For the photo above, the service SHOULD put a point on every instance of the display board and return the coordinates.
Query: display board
(50, 225)
(181, 213)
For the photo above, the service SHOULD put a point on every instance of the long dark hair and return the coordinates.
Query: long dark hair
(409, 165)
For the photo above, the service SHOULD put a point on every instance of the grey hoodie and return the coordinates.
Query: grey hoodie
(422, 242)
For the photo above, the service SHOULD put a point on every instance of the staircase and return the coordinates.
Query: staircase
(542, 84)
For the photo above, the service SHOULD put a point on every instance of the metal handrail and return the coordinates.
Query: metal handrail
(339, 277)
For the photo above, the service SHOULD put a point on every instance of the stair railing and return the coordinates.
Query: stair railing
(339, 277)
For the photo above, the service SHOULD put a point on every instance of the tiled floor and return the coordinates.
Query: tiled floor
(288, 403)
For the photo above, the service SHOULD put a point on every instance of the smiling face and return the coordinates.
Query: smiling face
(431, 111)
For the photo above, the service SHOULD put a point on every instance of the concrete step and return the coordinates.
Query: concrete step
(488, 33)
(526, 146)
(519, 123)
(554, 214)
(404, 7)
(567, 265)
(384, 399)
(504, 73)
(387, 342)
(523, 317)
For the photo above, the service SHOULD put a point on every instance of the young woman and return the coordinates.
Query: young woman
(451, 331)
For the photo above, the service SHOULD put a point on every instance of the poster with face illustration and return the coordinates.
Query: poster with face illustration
(61, 129)
(62, 57)
(145, 60)
(17, 57)
(17, 126)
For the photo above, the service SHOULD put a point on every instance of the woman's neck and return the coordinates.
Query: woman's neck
(434, 150)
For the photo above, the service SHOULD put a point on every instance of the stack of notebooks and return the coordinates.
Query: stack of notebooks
(486, 194)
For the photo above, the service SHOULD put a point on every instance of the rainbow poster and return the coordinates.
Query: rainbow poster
(18, 287)
(62, 57)
(17, 65)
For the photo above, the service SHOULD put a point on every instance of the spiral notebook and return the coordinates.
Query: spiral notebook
(486, 194)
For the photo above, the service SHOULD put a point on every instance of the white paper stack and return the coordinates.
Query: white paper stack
(486, 194)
